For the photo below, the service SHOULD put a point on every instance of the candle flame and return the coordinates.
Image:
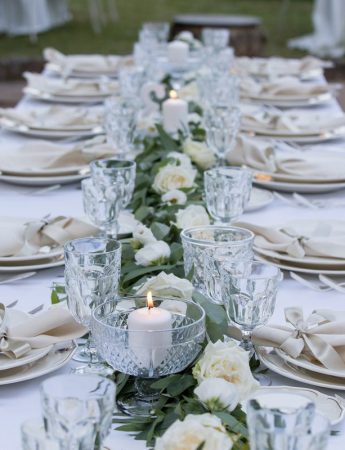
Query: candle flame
(149, 300)
(173, 94)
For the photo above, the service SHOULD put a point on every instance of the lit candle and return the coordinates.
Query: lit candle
(178, 53)
(147, 345)
(175, 113)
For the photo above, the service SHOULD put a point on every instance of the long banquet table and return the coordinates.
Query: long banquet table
(20, 401)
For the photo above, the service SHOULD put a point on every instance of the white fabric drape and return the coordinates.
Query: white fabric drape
(328, 39)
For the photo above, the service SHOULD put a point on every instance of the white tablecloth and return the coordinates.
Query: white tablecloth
(19, 402)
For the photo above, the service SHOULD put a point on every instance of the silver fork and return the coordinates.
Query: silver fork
(36, 309)
(11, 305)
(44, 190)
(340, 287)
(309, 284)
(20, 276)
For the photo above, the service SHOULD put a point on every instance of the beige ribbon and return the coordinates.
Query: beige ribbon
(8, 347)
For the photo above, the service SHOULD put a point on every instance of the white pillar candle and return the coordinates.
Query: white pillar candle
(146, 95)
(175, 113)
(178, 53)
(150, 347)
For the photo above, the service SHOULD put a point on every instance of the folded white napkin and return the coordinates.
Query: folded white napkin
(54, 117)
(320, 338)
(289, 166)
(283, 87)
(322, 241)
(39, 331)
(86, 63)
(48, 158)
(24, 236)
(71, 87)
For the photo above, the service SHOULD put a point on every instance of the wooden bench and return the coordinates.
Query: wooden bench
(247, 36)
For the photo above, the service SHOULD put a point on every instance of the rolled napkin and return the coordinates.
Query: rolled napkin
(54, 117)
(320, 337)
(42, 330)
(283, 87)
(323, 241)
(48, 158)
(93, 64)
(23, 237)
(71, 87)
(304, 167)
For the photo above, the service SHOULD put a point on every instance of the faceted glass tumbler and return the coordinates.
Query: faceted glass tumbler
(216, 38)
(226, 193)
(196, 240)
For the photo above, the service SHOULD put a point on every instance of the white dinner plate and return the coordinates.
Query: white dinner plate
(47, 97)
(324, 404)
(16, 317)
(302, 138)
(281, 367)
(259, 198)
(289, 102)
(39, 257)
(42, 181)
(303, 188)
(57, 70)
(33, 267)
(58, 356)
(309, 365)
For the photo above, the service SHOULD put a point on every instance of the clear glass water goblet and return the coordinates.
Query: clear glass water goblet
(226, 192)
(148, 349)
(215, 38)
(78, 408)
(196, 240)
(160, 30)
(222, 125)
(218, 89)
(131, 79)
(92, 273)
(102, 205)
(250, 297)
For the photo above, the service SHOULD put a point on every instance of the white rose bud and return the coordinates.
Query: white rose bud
(167, 285)
(183, 159)
(175, 197)
(154, 253)
(189, 92)
(217, 394)
(143, 234)
(199, 153)
(192, 216)
(173, 177)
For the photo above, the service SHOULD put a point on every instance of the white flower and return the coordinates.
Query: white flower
(192, 216)
(228, 361)
(194, 117)
(183, 159)
(154, 253)
(167, 285)
(189, 91)
(217, 394)
(195, 430)
(173, 177)
(143, 234)
(146, 124)
(199, 153)
(186, 36)
(175, 196)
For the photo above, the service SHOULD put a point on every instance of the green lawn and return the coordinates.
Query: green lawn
(77, 36)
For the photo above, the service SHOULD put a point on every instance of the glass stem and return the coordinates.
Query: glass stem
(246, 342)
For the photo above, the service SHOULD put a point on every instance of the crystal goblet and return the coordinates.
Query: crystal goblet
(92, 272)
(226, 193)
(217, 89)
(148, 350)
(78, 408)
(250, 297)
(196, 240)
(159, 30)
(215, 38)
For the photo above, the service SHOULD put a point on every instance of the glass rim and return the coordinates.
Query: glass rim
(200, 320)
(117, 246)
(278, 275)
(206, 242)
(224, 170)
(98, 164)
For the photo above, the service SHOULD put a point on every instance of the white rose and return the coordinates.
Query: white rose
(192, 216)
(189, 91)
(146, 124)
(194, 117)
(192, 432)
(199, 153)
(183, 159)
(173, 177)
(154, 253)
(175, 197)
(217, 394)
(143, 234)
(167, 285)
(228, 361)
(186, 36)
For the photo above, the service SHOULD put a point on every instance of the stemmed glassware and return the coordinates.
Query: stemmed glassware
(222, 126)
(158, 30)
(227, 191)
(92, 272)
(215, 38)
(77, 410)
(249, 296)
(218, 89)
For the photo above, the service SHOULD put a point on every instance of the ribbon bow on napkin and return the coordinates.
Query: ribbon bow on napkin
(321, 336)
(50, 327)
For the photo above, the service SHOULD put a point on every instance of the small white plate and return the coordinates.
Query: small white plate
(16, 317)
(58, 356)
(281, 367)
(33, 267)
(289, 102)
(31, 258)
(324, 404)
(259, 198)
(303, 188)
(303, 138)
(42, 181)
(47, 97)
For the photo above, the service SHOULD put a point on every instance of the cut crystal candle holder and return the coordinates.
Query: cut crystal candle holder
(147, 353)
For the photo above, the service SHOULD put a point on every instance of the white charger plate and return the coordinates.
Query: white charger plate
(32, 267)
(16, 317)
(303, 188)
(47, 97)
(273, 362)
(42, 181)
(259, 198)
(303, 138)
(58, 356)
(289, 102)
